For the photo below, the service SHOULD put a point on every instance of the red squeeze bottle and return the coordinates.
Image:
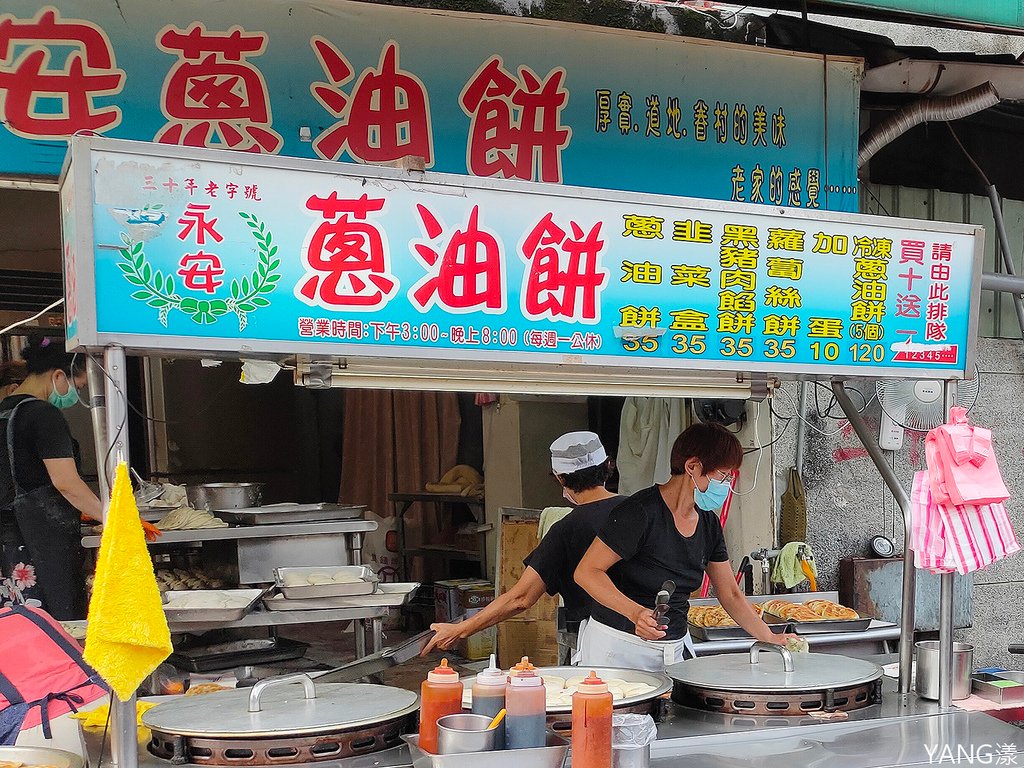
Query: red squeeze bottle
(440, 695)
(592, 724)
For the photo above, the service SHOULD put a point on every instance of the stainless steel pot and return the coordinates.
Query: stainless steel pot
(214, 496)
(927, 683)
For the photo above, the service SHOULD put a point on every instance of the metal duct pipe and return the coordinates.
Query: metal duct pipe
(993, 281)
(927, 110)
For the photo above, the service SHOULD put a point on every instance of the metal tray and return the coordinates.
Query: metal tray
(237, 653)
(271, 514)
(729, 633)
(551, 756)
(819, 627)
(366, 586)
(206, 615)
(282, 603)
(33, 756)
(387, 596)
(984, 685)
(661, 683)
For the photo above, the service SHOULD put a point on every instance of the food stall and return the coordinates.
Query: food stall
(516, 286)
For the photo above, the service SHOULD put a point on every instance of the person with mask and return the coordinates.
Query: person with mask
(11, 375)
(668, 532)
(581, 466)
(42, 495)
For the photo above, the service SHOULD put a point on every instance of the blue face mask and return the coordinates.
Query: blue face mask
(63, 401)
(714, 497)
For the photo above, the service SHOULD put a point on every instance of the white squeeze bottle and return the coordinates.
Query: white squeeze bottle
(489, 697)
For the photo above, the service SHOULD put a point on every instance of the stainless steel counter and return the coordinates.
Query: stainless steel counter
(898, 732)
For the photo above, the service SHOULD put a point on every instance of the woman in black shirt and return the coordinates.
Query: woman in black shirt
(42, 496)
(665, 533)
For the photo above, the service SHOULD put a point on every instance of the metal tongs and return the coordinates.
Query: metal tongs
(661, 601)
(375, 663)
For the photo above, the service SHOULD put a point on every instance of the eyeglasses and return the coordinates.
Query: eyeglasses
(720, 475)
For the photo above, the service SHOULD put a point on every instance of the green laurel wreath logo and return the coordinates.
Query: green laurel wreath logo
(247, 295)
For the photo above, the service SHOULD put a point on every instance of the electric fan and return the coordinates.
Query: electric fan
(917, 405)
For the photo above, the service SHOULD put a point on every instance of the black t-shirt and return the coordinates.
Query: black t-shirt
(643, 533)
(561, 550)
(40, 432)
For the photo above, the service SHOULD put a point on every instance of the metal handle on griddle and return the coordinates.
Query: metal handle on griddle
(257, 690)
(787, 657)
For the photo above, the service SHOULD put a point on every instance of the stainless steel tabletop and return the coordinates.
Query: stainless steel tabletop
(254, 532)
(810, 672)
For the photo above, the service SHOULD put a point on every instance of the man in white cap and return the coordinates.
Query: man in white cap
(581, 466)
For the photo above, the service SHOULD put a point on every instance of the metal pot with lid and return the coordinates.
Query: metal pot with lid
(785, 684)
(214, 496)
(277, 722)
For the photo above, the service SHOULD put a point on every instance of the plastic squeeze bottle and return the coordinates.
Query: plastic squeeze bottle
(489, 697)
(440, 695)
(526, 718)
(592, 724)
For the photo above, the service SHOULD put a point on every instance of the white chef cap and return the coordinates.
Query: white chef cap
(574, 451)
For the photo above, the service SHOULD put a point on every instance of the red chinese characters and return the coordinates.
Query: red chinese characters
(213, 96)
(515, 124)
(346, 259)
(200, 271)
(195, 224)
(385, 118)
(564, 277)
(29, 76)
(465, 274)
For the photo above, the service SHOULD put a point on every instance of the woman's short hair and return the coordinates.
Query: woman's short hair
(43, 354)
(12, 372)
(591, 477)
(714, 446)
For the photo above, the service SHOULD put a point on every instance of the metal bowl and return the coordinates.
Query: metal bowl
(213, 496)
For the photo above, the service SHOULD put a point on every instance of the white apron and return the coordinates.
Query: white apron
(601, 646)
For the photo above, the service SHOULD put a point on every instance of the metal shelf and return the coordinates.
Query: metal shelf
(252, 532)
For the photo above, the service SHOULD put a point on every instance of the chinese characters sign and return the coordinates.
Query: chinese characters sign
(189, 251)
(369, 83)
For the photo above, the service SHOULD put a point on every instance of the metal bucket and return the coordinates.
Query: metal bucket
(631, 756)
(458, 734)
(213, 496)
(927, 684)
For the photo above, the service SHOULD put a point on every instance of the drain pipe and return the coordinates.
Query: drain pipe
(908, 613)
(953, 107)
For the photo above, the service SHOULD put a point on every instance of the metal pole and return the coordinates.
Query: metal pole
(98, 411)
(801, 430)
(124, 737)
(991, 281)
(946, 598)
(1004, 247)
(908, 613)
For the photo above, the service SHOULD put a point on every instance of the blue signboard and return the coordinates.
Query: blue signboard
(487, 96)
(197, 250)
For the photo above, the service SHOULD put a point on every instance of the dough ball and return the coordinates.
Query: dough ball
(345, 577)
(319, 578)
(554, 683)
(573, 682)
(295, 580)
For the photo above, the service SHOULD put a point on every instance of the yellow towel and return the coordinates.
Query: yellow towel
(127, 636)
(97, 718)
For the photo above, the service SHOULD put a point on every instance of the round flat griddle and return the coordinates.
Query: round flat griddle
(294, 723)
(737, 683)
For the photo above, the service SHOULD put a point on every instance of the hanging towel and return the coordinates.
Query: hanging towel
(647, 429)
(127, 636)
(549, 517)
(788, 570)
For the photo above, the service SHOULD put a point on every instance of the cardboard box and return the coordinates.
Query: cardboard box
(446, 598)
(482, 644)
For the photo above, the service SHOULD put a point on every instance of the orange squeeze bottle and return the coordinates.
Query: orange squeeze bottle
(440, 695)
(592, 724)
